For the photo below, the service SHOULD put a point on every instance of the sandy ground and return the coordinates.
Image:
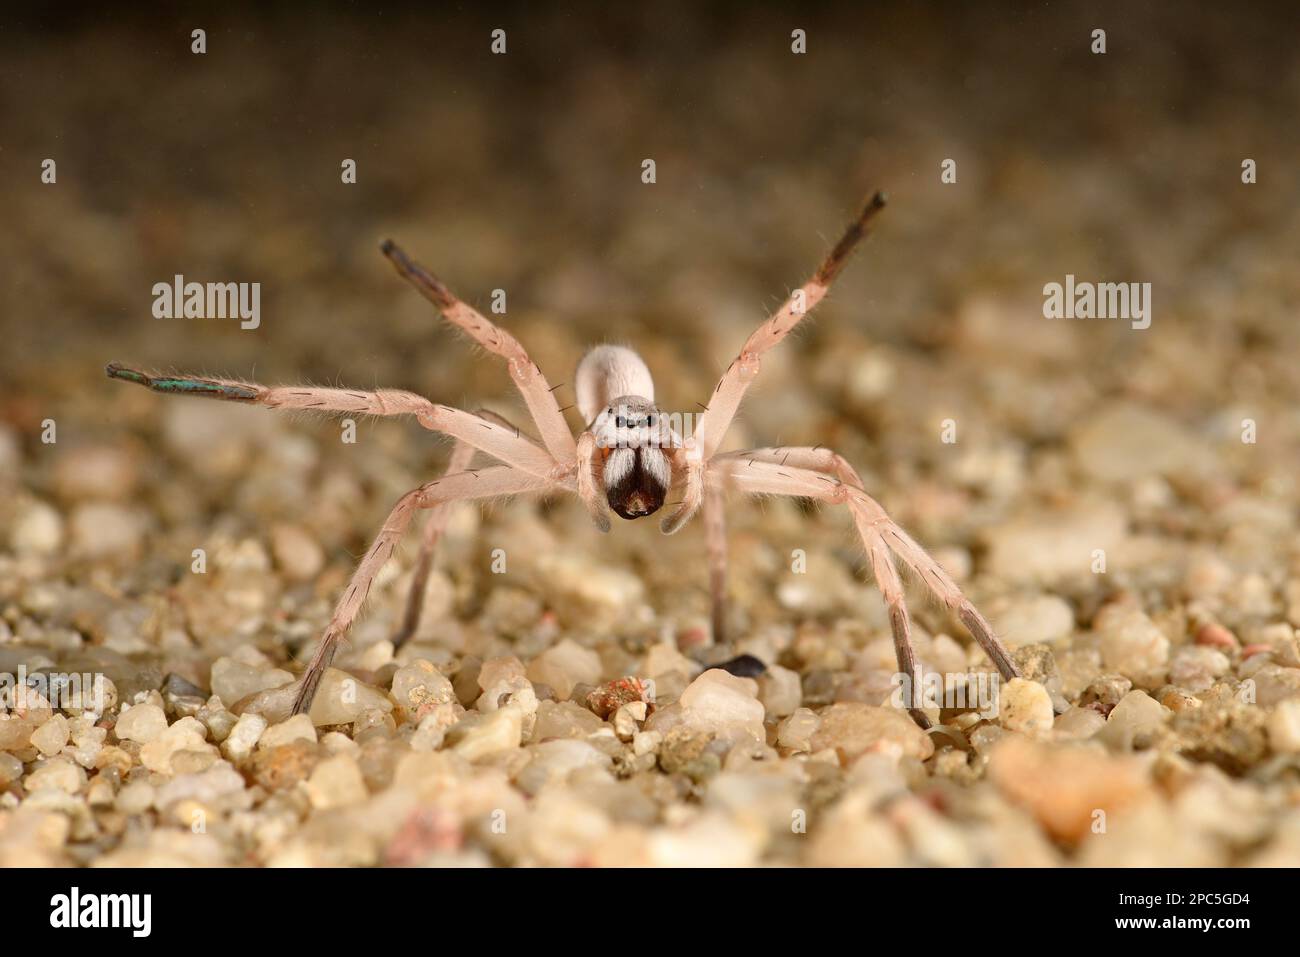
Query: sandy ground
(1121, 502)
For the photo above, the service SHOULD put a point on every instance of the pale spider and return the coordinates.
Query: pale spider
(626, 458)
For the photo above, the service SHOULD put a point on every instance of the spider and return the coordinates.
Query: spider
(625, 460)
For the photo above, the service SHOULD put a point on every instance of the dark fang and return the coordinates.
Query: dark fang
(638, 494)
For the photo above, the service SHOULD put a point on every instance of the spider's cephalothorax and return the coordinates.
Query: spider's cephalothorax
(633, 437)
(626, 458)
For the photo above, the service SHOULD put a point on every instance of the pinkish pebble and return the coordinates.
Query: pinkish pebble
(1216, 636)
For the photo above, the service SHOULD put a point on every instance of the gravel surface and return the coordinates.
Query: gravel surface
(1122, 503)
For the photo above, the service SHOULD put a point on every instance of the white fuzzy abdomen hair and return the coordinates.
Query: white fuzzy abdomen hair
(607, 373)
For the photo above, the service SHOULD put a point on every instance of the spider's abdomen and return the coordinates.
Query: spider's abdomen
(607, 372)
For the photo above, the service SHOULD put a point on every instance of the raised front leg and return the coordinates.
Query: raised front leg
(735, 382)
(528, 378)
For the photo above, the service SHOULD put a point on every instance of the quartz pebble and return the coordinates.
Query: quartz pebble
(1196, 667)
(185, 736)
(1043, 546)
(564, 719)
(587, 592)
(627, 720)
(336, 782)
(564, 665)
(15, 732)
(1132, 645)
(796, 731)
(342, 698)
(297, 728)
(296, 553)
(664, 658)
(711, 840)
(1284, 727)
(51, 736)
(481, 736)
(852, 729)
(233, 680)
(1032, 619)
(1133, 721)
(780, 691)
(136, 797)
(11, 769)
(103, 530)
(59, 774)
(554, 761)
(243, 737)
(500, 680)
(1025, 706)
(1077, 724)
(1125, 441)
(141, 723)
(37, 530)
(433, 727)
(717, 703)
(417, 689)
(219, 784)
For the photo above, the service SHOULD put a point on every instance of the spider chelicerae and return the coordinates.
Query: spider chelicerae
(626, 459)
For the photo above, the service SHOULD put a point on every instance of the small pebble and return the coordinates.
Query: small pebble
(11, 769)
(781, 691)
(233, 680)
(853, 729)
(51, 736)
(342, 698)
(336, 782)
(1284, 727)
(1132, 645)
(796, 731)
(141, 723)
(243, 737)
(185, 736)
(743, 666)
(297, 728)
(1133, 721)
(296, 552)
(37, 530)
(103, 530)
(58, 773)
(724, 705)
(1216, 636)
(1025, 706)
(500, 730)
(418, 688)
(564, 665)
(1032, 619)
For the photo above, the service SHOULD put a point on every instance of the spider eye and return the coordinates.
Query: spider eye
(620, 422)
(650, 420)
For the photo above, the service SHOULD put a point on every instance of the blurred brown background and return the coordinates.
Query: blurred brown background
(522, 172)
